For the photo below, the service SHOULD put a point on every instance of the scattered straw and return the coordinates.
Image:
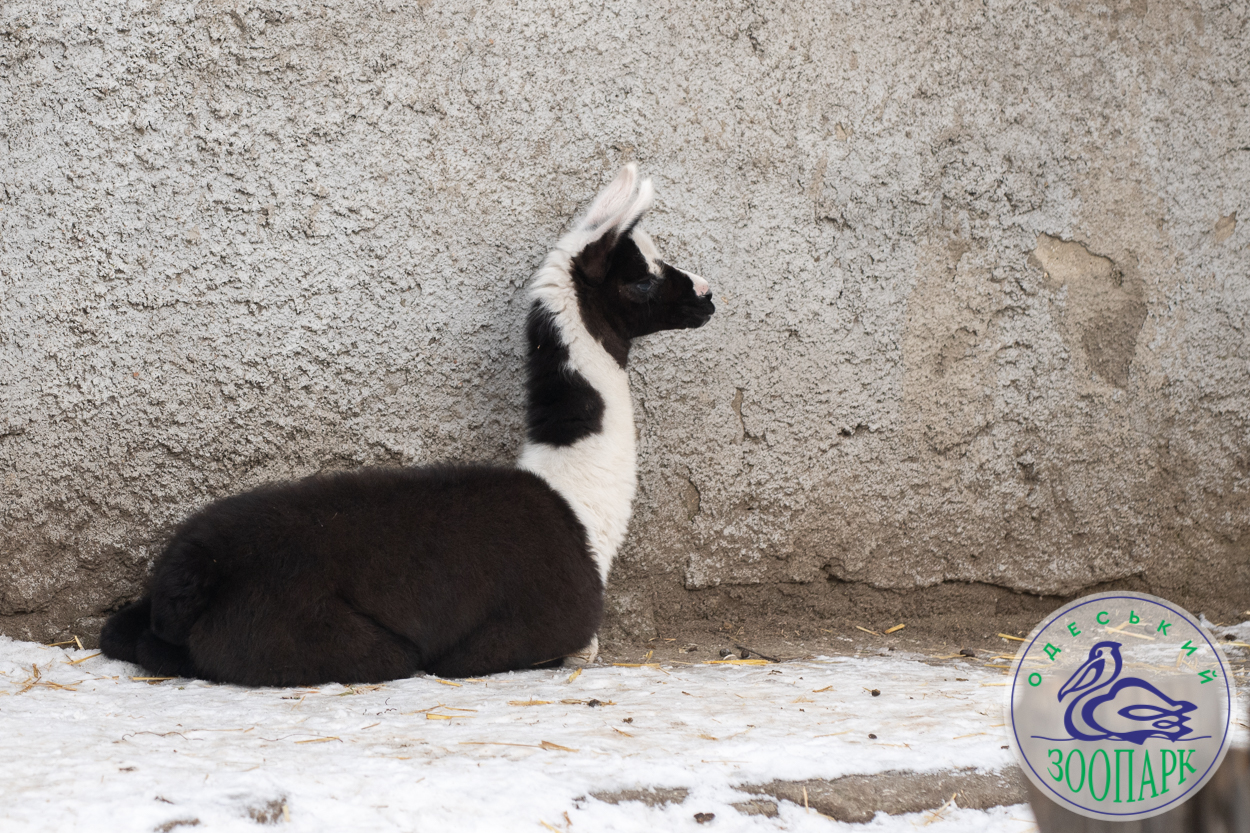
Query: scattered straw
(592, 702)
(529, 702)
(548, 826)
(620, 732)
(1012, 638)
(448, 682)
(751, 650)
(574, 676)
(320, 740)
(548, 745)
(636, 664)
(897, 627)
(865, 630)
(737, 662)
(84, 659)
(973, 735)
(937, 814)
(349, 690)
(433, 716)
(818, 690)
(36, 680)
(423, 711)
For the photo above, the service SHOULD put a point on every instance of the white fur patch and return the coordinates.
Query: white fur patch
(585, 656)
(649, 251)
(652, 255)
(597, 474)
(612, 200)
(701, 287)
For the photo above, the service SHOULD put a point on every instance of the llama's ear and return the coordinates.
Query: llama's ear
(593, 259)
(640, 205)
(612, 200)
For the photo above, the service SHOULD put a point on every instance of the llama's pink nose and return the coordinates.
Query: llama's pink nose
(701, 286)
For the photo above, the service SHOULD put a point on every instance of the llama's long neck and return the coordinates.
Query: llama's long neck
(580, 437)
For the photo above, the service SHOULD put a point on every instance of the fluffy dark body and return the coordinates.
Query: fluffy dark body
(368, 576)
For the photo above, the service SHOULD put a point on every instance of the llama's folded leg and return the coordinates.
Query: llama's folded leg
(162, 658)
(585, 656)
(305, 641)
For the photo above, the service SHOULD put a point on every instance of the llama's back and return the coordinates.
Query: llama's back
(376, 574)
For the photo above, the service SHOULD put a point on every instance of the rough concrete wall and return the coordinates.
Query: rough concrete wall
(982, 281)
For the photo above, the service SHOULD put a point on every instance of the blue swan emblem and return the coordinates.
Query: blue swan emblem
(1146, 711)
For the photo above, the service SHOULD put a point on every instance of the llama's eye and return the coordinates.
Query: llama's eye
(639, 291)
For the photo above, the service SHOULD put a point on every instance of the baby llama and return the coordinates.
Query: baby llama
(455, 570)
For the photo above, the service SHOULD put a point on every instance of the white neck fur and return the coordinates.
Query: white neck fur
(597, 475)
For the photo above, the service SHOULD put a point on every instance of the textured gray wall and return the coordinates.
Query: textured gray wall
(983, 288)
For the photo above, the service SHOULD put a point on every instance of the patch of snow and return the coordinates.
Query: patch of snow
(88, 747)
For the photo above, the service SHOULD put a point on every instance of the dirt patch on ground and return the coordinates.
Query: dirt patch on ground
(857, 798)
(651, 797)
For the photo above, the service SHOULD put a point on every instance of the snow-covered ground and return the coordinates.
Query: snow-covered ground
(88, 747)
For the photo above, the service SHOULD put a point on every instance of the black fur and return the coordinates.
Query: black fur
(620, 299)
(368, 576)
(127, 635)
(562, 405)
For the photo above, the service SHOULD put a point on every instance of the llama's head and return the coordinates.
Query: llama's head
(624, 288)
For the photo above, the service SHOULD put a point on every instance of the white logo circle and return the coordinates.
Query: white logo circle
(1120, 706)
